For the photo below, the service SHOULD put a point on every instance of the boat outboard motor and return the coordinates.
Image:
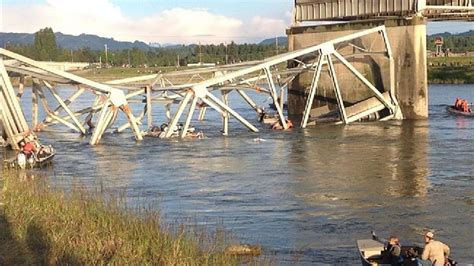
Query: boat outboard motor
(21, 160)
(31, 161)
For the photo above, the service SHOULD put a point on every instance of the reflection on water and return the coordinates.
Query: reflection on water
(304, 195)
(393, 156)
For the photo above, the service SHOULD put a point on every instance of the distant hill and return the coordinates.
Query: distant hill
(67, 41)
(447, 34)
(16, 38)
(282, 40)
(95, 42)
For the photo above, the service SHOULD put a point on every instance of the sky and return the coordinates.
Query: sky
(163, 21)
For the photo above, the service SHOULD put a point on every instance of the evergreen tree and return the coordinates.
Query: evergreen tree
(45, 45)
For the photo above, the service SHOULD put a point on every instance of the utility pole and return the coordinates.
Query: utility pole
(106, 58)
(129, 64)
(200, 54)
(276, 43)
(226, 55)
(178, 61)
(72, 58)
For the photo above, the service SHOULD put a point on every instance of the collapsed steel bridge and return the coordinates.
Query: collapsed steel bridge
(186, 90)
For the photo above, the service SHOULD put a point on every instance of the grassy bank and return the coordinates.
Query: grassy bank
(451, 70)
(444, 70)
(40, 225)
(451, 75)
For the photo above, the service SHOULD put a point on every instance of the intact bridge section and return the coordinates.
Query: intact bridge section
(312, 10)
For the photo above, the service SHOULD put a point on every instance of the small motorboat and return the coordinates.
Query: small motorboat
(370, 251)
(41, 158)
(266, 118)
(373, 252)
(451, 109)
(159, 132)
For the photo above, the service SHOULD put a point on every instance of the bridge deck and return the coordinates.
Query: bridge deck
(314, 10)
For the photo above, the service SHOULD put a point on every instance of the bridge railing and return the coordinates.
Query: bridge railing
(320, 10)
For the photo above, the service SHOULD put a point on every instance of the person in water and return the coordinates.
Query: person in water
(435, 251)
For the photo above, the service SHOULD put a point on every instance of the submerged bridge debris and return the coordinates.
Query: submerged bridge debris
(185, 91)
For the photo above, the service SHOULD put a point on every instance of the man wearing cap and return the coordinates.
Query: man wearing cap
(435, 251)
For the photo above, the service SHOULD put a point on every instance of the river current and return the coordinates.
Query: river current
(303, 195)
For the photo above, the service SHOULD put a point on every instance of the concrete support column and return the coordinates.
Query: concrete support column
(407, 38)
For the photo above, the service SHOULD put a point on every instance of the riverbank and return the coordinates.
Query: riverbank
(451, 70)
(41, 225)
(441, 70)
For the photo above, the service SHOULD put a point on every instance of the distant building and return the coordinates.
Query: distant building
(67, 66)
(201, 64)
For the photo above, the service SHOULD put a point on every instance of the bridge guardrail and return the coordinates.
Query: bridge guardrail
(314, 10)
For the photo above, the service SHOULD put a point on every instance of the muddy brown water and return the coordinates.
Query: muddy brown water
(303, 195)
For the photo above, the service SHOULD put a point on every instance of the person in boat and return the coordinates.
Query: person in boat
(163, 127)
(155, 130)
(465, 107)
(462, 106)
(261, 114)
(457, 103)
(90, 124)
(278, 125)
(29, 148)
(393, 251)
(435, 251)
(42, 152)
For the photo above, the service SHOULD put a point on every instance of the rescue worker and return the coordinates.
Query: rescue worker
(464, 106)
(457, 103)
(435, 251)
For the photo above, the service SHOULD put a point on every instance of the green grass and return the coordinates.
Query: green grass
(107, 74)
(450, 61)
(451, 75)
(40, 225)
(451, 70)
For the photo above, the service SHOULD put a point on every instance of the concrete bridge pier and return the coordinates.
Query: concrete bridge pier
(407, 38)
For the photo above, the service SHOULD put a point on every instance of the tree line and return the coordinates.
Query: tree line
(45, 48)
(456, 44)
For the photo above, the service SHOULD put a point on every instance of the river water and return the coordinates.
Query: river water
(303, 195)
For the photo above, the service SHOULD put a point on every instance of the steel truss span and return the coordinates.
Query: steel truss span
(183, 92)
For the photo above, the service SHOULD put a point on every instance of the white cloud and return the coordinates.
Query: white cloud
(266, 26)
(103, 18)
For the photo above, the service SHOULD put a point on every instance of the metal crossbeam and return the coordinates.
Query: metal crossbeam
(38, 70)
